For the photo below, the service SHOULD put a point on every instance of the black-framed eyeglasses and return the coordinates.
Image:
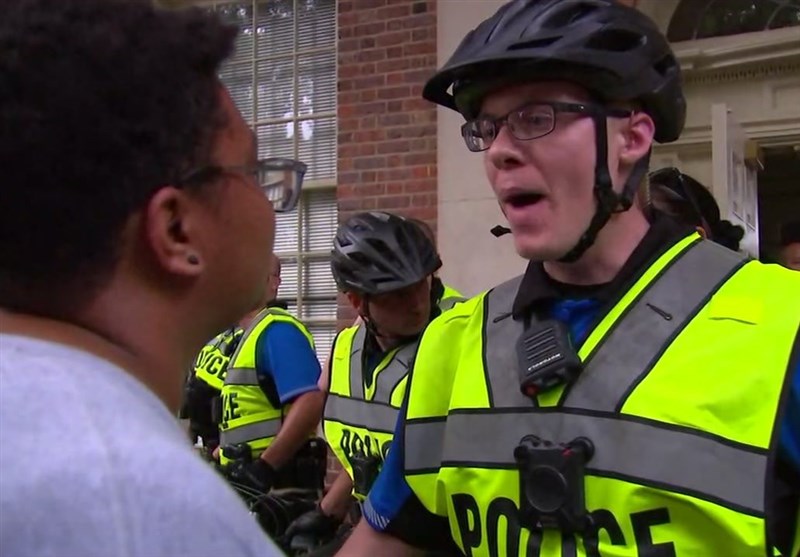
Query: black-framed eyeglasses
(530, 121)
(280, 179)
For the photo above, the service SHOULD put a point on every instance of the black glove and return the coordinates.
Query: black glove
(256, 474)
(315, 523)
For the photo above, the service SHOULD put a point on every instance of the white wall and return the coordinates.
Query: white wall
(474, 260)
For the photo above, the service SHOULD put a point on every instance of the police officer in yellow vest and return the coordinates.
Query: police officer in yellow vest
(271, 403)
(631, 394)
(202, 402)
(384, 263)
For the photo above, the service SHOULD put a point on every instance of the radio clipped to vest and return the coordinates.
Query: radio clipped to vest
(546, 357)
(551, 483)
(365, 472)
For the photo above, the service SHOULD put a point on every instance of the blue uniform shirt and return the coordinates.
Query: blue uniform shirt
(391, 492)
(284, 354)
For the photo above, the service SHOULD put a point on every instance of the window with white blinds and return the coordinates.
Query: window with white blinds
(282, 77)
(303, 241)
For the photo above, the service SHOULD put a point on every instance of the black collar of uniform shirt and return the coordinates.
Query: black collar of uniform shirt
(538, 291)
(278, 304)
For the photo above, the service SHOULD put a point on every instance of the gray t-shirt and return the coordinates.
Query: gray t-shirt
(93, 464)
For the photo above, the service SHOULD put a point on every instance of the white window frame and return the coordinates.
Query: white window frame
(302, 257)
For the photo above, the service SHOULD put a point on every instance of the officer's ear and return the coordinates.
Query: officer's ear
(633, 138)
(356, 301)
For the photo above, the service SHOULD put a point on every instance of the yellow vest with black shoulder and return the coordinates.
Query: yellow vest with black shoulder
(212, 361)
(248, 416)
(681, 395)
(359, 419)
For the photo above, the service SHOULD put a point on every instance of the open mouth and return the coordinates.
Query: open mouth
(524, 199)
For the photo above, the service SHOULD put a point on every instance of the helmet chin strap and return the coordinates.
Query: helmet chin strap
(608, 201)
(368, 322)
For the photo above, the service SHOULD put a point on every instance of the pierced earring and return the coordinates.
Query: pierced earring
(193, 259)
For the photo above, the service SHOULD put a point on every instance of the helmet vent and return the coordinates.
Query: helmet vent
(664, 65)
(569, 15)
(379, 246)
(535, 43)
(360, 259)
(402, 242)
(615, 40)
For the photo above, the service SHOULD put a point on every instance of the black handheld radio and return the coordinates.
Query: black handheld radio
(546, 357)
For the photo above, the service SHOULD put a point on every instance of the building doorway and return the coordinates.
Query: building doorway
(778, 196)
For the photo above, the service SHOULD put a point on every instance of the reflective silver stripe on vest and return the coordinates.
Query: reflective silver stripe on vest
(393, 373)
(241, 376)
(359, 413)
(356, 363)
(631, 349)
(387, 379)
(637, 451)
(249, 432)
(498, 352)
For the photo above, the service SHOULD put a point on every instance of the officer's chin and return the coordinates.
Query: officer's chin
(403, 332)
(417, 329)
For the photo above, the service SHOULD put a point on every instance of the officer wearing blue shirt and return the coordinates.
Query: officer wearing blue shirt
(288, 372)
(283, 355)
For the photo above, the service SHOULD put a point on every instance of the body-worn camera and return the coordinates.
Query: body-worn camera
(546, 357)
(365, 472)
(552, 483)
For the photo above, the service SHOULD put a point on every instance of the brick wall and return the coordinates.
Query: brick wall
(386, 132)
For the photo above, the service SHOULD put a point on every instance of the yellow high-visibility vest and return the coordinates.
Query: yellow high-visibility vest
(681, 395)
(359, 419)
(248, 416)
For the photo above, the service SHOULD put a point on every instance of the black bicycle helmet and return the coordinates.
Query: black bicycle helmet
(377, 252)
(615, 52)
(683, 189)
(692, 203)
